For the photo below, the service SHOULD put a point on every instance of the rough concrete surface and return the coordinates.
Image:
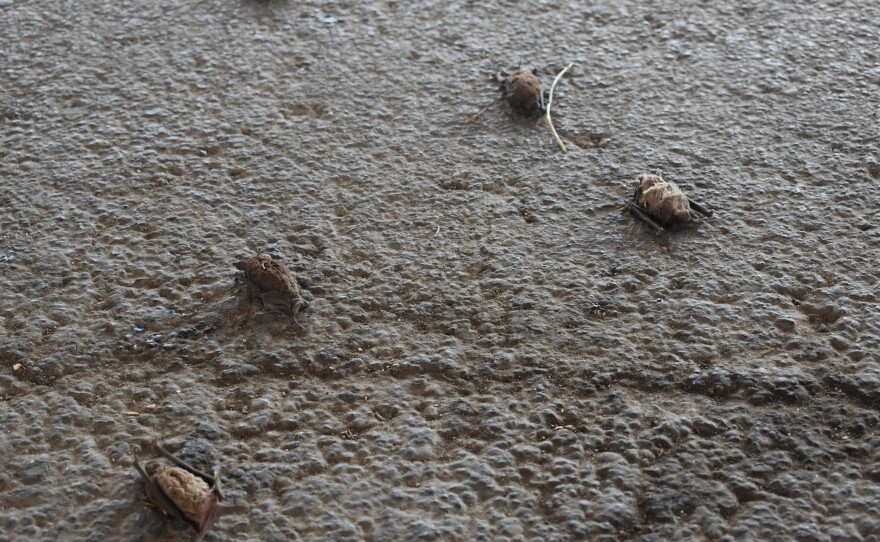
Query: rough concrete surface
(494, 349)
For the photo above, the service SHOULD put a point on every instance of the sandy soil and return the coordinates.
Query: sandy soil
(493, 349)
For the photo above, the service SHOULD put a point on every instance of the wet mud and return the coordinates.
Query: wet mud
(494, 348)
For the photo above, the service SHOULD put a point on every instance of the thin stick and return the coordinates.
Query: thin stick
(550, 102)
(473, 118)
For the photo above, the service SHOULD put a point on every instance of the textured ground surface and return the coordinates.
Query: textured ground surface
(493, 349)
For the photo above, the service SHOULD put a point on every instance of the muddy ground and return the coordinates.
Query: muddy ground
(494, 350)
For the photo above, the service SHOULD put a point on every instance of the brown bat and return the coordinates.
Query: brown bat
(523, 92)
(271, 280)
(185, 493)
(662, 204)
